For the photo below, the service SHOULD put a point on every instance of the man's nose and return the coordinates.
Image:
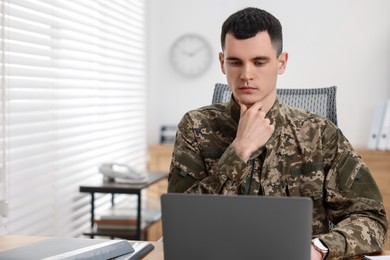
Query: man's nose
(247, 72)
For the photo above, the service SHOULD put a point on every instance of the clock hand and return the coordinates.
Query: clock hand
(188, 53)
(192, 53)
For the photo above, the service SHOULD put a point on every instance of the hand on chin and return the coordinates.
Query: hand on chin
(246, 101)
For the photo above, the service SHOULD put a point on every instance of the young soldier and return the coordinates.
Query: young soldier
(255, 145)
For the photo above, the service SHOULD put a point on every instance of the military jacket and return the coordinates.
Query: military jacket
(307, 155)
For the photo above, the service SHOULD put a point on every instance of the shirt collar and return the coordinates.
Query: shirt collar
(234, 109)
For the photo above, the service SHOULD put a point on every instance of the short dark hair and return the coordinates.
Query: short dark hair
(248, 22)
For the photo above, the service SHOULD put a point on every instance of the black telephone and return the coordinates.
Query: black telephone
(120, 172)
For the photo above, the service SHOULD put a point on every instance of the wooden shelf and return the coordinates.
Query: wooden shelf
(149, 231)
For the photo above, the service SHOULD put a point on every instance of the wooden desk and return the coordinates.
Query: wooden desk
(119, 188)
(10, 242)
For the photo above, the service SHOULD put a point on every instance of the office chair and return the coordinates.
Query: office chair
(321, 101)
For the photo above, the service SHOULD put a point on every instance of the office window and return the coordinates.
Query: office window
(73, 93)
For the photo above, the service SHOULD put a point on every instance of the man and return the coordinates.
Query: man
(255, 145)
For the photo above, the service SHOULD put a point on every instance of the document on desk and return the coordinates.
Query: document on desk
(79, 248)
(140, 250)
(379, 257)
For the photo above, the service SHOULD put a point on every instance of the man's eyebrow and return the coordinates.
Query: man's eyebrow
(264, 58)
(261, 58)
(232, 58)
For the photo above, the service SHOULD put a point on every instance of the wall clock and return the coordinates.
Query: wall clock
(191, 55)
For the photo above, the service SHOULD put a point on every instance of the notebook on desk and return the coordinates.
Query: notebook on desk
(235, 227)
(79, 248)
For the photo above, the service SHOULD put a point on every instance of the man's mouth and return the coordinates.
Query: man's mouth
(247, 89)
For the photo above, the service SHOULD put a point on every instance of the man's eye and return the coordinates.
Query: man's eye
(259, 63)
(234, 63)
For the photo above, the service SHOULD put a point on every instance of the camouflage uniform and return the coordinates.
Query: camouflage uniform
(307, 155)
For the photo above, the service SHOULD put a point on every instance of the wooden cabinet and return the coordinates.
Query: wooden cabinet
(159, 161)
(379, 164)
(160, 156)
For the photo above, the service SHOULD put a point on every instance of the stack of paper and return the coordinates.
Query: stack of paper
(79, 248)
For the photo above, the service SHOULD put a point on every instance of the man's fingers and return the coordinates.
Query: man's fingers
(243, 109)
(255, 107)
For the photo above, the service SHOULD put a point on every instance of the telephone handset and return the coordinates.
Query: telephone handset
(120, 172)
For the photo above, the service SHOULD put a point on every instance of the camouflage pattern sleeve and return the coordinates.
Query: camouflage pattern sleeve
(354, 205)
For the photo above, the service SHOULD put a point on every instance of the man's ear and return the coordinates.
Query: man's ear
(222, 62)
(282, 62)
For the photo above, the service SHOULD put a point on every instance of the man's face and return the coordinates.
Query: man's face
(251, 67)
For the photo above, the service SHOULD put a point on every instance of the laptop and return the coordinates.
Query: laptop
(235, 227)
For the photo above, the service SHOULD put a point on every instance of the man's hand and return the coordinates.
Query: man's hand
(254, 130)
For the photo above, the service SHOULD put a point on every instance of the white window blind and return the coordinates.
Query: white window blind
(73, 92)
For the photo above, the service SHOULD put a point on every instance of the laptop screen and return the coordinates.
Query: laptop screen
(236, 227)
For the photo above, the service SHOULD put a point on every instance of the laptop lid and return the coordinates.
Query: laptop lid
(235, 227)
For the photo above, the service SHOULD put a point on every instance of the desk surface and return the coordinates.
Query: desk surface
(115, 187)
(10, 242)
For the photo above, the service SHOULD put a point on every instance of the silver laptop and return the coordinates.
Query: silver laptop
(235, 227)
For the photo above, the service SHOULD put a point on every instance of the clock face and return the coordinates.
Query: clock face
(191, 55)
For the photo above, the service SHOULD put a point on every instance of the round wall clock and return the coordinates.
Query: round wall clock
(191, 55)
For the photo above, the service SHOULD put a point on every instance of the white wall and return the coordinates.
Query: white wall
(330, 42)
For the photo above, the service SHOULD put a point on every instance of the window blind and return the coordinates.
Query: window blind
(73, 97)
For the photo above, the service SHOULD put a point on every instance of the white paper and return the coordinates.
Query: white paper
(379, 257)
